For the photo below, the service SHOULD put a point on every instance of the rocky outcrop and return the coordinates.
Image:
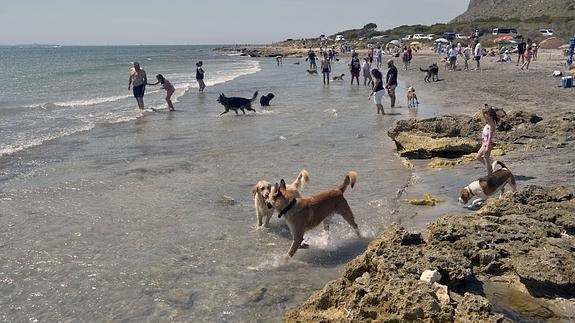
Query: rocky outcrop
(527, 234)
(458, 135)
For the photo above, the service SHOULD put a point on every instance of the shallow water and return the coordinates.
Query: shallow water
(133, 220)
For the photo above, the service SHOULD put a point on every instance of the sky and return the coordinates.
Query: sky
(191, 22)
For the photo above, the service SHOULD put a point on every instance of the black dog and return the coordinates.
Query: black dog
(235, 103)
(265, 99)
(432, 72)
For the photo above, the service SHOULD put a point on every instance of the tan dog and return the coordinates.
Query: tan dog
(338, 78)
(262, 190)
(305, 213)
(411, 97)
(481, 189)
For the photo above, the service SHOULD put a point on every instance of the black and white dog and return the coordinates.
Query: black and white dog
(235, 103)
(265, 99)
(481, 189)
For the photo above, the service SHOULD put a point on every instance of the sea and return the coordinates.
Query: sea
(109, 213)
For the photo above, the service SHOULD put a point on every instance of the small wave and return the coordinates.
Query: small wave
(16, 147)
(76, 103)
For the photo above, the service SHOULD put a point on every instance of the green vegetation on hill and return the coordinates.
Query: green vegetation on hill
(516, 9)
(529, 27)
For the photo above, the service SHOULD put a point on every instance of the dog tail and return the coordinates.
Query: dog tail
(302, 178)
(423, 70)
(500, 163)
(350, 179)
(255, 96)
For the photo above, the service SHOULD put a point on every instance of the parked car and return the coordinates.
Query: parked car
(546, 31)
(461, 36)
(407, 37)
(449, 35)
(504, 31)
(339, 37)
(418, 36)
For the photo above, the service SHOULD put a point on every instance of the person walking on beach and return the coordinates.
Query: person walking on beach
(137, 81)
(166, 85)
(365, 70)
(391, 81)
(325, 68)
(452, 55)
(477, 52)
(466, 56)
(378, 57)
(354, 68)
(528, 55)
(521, 50)
(484, 154)
(405, 58)
(377, 90)
(200, 76)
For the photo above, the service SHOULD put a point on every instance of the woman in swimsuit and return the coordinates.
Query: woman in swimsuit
(166, 85)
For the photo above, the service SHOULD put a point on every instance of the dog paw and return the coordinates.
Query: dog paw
(304, 246)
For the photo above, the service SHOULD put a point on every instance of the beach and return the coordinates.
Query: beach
(150, 217)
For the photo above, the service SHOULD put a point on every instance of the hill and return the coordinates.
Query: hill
(521, 9)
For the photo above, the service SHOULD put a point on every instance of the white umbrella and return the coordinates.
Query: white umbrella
(395, 42)
(441, 40)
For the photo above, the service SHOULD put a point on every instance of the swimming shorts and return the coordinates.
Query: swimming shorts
(477, 58)
(139, 90)
(325, 70)
(378, 96)
(355, 74)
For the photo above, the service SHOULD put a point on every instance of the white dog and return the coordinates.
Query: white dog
(263, 189)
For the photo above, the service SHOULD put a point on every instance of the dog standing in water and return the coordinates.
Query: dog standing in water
(235, 103)
(488, 185)
(305, 213)
(411, 97)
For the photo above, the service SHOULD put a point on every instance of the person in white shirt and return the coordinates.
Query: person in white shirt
(478, 51)
(366, 69)
(452, 54)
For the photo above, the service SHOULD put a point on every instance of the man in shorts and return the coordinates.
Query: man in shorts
(391, 81)
(477, 52)
(137, 82)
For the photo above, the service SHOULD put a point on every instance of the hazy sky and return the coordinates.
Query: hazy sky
(117, 22)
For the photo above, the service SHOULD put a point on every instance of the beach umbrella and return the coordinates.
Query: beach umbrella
(441, 40)
(415, 43)
(502, 38)
(551, 42)
(395, 42)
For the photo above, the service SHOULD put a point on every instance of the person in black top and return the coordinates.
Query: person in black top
(200, 76)
(391, 81)
(521, 50)
(311, 57)
(377, 90)
(354, 67)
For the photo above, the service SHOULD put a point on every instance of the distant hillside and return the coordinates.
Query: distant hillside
(521, 9)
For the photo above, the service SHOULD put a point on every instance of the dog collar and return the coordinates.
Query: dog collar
(287, 208)
(470, 191)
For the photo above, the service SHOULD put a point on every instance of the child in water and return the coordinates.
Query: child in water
(200, 76)
(166, 85)
(484, 153)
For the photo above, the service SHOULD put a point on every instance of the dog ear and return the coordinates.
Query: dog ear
(254, 189)
(283, 184)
